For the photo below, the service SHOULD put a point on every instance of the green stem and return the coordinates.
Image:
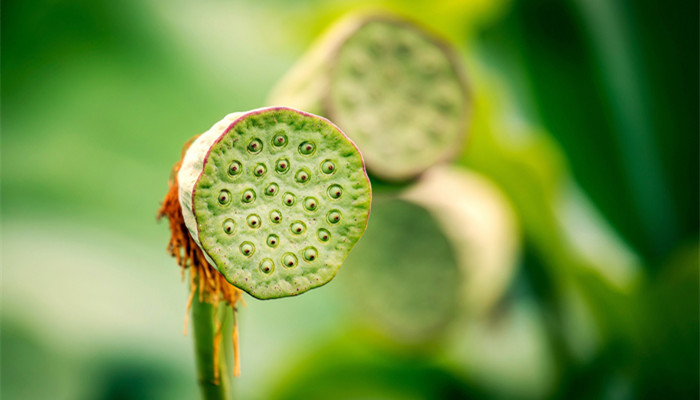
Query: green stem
(204, 322)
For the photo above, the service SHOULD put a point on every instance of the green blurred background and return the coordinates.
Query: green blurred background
(585, 118)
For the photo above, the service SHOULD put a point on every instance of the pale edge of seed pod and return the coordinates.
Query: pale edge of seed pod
(193, 166)
(191, 169)
(480, 222)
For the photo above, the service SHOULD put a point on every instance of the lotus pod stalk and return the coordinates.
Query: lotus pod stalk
(268, 201)
(395, 88)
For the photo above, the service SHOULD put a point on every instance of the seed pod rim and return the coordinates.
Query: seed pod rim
(455, 63)
(196, 171)
(318, 66)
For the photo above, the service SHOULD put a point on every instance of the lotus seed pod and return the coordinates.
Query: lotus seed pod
(265, 230)
(396, 89)
(403, 276)
(481, 225)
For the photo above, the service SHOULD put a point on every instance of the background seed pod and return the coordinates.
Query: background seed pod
(404, 276)
(259, 198)
(396, 89)
(480, 224)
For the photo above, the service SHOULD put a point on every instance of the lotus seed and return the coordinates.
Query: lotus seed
(248, 196)
(289, 199)
(224, 197)
(297, 227)
(229, 225)
(253, 221)
(307, 148)
(260, 170)
(324, 235)
(282, 166)
(289, 260)
(267, 266)
(310, 253)
(334, 216)
(359, 65)
(444, 104)
(310, 203)
(335, 191)
(302, 176)
(377, 47)
(275, 216)
(403, 50)
(273, 240)
(328, 167)
(255, 146)
(234, 169)
(247, 248)
(279, 140)
(272, 189)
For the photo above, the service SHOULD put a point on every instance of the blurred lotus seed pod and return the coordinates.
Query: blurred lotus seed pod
(396, 89)
(404, 276)
(480, 224)
(276, 198)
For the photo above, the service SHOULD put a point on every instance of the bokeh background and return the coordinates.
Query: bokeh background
(585, 120)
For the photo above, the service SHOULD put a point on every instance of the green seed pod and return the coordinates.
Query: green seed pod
(396, 89)
(480, 223)
(403, 276)
(229, 184)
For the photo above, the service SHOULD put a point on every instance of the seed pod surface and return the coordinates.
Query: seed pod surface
(395, 88)
(254, 190)
(404, 276)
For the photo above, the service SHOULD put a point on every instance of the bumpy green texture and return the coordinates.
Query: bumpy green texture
(396, 89)
(404, 274)
(282, 198)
